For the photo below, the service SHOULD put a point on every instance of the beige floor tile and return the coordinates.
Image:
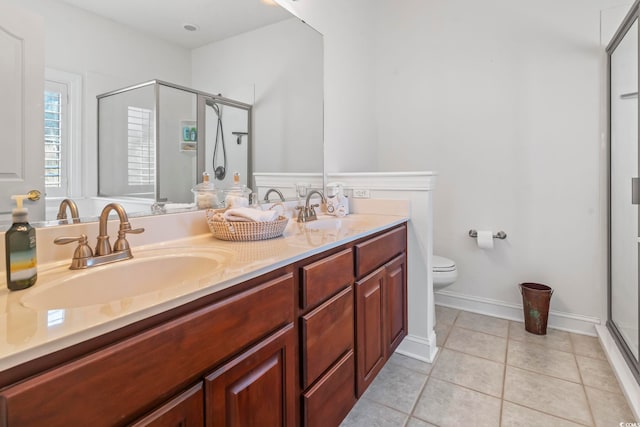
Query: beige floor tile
(482, 323)
(533, 357)
(415, 422)
(598, 374)
(447, 404)
(477, 344)
(585, 345)
(410, 363)
(446, 315)
(442, 332)
(518, 416)
(553, 396)
(558, 340)
(370, 414)
(396, 387)
(609, 409)
(468, 371)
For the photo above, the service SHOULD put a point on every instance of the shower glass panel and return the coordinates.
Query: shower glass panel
(126, 144)
(624, 190)
(177, 144)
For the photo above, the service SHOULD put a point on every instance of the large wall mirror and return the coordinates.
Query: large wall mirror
(249, 51)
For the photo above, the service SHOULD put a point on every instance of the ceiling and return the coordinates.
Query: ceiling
(165, 19)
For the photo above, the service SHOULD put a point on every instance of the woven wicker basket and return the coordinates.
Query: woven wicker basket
(242, 231)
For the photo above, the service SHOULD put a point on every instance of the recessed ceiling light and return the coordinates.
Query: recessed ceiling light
(191, 27)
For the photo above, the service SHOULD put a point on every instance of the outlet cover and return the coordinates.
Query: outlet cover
(361, 193)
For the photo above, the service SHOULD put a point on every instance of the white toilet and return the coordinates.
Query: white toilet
(444, 272)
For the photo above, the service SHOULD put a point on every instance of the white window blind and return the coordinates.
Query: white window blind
(56, 138)
(141, 147)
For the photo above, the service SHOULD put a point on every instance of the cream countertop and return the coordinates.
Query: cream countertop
(27, 333)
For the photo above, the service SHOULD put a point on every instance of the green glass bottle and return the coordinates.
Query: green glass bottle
(20, 250)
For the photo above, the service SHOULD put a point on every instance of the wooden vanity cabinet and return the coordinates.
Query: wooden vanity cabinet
(381, 302)
(296, 346)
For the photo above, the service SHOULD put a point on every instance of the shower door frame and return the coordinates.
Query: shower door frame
(632, 16)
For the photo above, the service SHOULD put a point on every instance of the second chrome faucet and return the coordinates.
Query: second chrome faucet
(84, 257)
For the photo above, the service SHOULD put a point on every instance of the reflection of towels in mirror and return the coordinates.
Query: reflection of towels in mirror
(250, 214)
(236, 201)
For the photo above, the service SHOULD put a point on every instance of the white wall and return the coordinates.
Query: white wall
(108, 56)
(503, 99)
(279, 67)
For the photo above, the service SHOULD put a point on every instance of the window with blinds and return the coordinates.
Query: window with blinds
(141, 147)
(55, 138)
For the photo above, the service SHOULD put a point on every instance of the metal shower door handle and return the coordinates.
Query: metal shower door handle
(635, 191)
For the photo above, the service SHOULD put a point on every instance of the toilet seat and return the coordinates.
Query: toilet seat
(443, 265)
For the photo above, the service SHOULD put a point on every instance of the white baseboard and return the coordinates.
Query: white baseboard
(628, 383)
(418, 348)
(557, 320)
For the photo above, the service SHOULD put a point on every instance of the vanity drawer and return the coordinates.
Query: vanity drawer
(375, 252)
(146, 369)
(327, 334)
(324, 278)
(329, 401)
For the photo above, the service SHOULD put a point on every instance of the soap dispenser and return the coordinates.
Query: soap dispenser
(20, 249)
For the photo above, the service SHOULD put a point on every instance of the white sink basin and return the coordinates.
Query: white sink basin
(165, 273)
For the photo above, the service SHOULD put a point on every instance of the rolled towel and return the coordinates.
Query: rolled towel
(250, 214)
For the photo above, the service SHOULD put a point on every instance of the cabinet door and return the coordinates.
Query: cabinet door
(370, 328)
(396, 296)
(185, 410)
(257, 387)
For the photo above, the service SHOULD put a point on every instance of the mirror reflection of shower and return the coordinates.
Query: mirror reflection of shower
(219, 163)
(223, 157)
(155, 139)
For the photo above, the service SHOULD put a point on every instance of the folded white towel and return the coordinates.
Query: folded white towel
(250, 214)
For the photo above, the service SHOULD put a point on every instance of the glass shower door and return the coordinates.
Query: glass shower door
(624, 196)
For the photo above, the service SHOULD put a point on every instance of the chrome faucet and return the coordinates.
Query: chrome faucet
(73, 209)
(307, 212)
(84, 257)
(273, 190)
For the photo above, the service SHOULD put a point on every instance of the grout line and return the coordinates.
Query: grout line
(413, 407)
(547, 413)
(504, 375)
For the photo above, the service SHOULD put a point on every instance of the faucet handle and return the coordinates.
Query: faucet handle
(134, 230)
(82, 239)
(82, 252)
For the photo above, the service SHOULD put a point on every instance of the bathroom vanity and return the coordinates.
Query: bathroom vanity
(287, 339)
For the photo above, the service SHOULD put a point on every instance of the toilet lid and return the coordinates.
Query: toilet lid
(441, 263)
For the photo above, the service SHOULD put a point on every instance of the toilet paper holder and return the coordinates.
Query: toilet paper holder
(498, 235)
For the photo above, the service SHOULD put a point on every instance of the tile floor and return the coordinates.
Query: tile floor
(491, 372)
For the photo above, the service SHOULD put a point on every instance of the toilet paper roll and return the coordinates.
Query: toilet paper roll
(485, 239)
